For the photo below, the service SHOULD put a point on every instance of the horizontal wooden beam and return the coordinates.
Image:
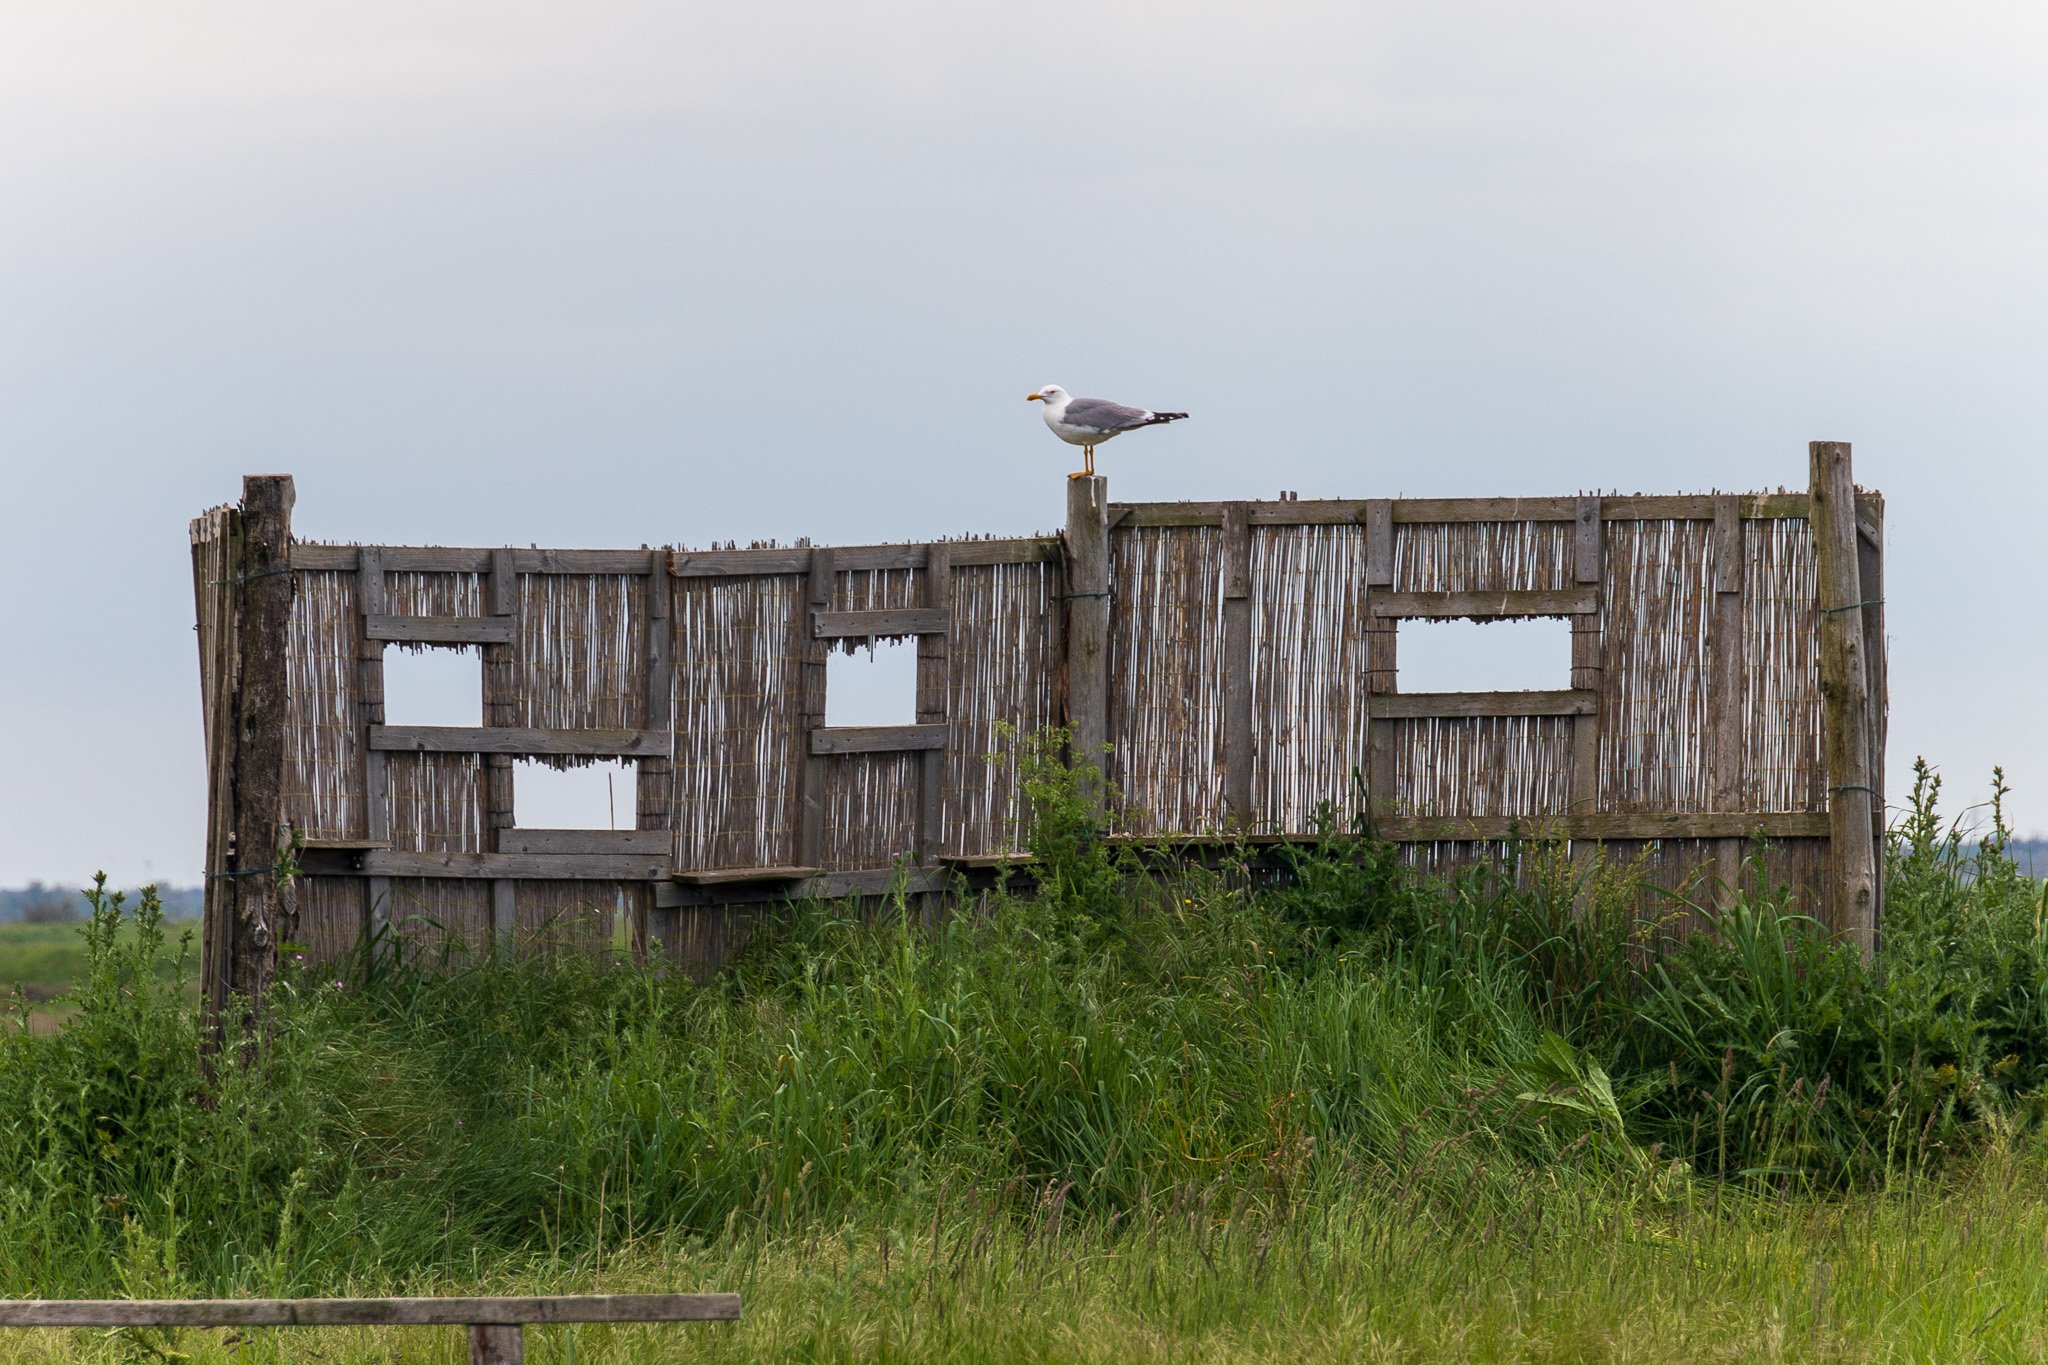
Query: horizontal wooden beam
(844, 625)
(738, 563)
(368, 1312)
(1341, 511)
(734, 876)
(1421, 705)
(635, 843)
(825, 886)
(597, 867)
(877, 739)
(440, 630)
(508, 739)
(1545, 602)
(452, 559)
(1714, 825)
(1012, 550)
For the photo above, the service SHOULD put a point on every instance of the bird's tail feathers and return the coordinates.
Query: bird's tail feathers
(1159, 417)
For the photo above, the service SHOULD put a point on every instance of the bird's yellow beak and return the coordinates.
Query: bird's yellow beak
(1033, 397)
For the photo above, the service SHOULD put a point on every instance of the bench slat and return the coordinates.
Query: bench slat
(367, 1312)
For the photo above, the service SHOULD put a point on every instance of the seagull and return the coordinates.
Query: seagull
(1088, 422)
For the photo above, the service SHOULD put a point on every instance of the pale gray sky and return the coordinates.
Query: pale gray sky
(608, 274)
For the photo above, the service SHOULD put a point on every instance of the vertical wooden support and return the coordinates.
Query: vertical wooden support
(497, 1343)
(654, 782)
(500, 707)
(1589, 569)
(934, 656)
(1870, 574)
(370, 601)
(263, 914)
(1726, 652)
(216, 563)
(1087, 594)
(811, 773)
(1845, 696)
(1381, 659)
(1237, 665)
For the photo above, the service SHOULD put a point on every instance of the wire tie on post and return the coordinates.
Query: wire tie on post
(1855, 787)
(1873, 602)
(252, 872)
(1076, 596)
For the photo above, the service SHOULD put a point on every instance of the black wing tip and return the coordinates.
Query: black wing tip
(1165, 417)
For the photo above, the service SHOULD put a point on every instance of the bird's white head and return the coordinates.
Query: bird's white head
(1052, 395)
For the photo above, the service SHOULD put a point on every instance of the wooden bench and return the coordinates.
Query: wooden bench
(496, 1325)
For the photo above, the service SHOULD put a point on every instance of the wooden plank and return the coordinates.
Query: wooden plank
(516, 740)
(451, 1312)
(857, 625)
(1413, 705)
(1087, 629)
(1237, 665)
(1589, 542)
(824, 886)
(1379, 543)
(811, 772)
(1382, 642)
(980, 861)
(876, 739)
(638, 843)
(934, 684)
(1726, 655)
(1870, 579)
(1427, 510)
(734, 876)
(497, 1343)
(502, 588)
(1703, 825)
(1133, 514)
(1413, 511)
(217, 555)
(1845, 695)
(500, 708)
(654, 778)
(454, 559)
(1012, 550)
(441, 630)
(850, 557)
(262, 916)
(324, 558)
(603, 867)
(1589, 569)
(580, 561)
(739, 563)
(1545, 602)
(371, 601)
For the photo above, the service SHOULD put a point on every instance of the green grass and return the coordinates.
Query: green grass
(1143, 1115)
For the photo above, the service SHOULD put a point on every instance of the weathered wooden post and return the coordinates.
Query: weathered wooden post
(1853, 804)
(1237, 665)
(1726, 737)
(248, 903)
(497, 1343)
(1087, 592)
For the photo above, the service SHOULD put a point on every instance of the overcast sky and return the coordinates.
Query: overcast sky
(606, 274)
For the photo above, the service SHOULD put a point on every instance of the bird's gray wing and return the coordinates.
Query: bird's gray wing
(1102, 415)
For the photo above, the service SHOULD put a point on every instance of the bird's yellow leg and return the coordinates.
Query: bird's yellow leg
(1088, 468)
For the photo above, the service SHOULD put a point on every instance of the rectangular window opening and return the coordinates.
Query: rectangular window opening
(1519, 654)
(597, 796)
(437, 685)
(874, 685)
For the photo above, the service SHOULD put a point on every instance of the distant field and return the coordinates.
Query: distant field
(41, 961)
